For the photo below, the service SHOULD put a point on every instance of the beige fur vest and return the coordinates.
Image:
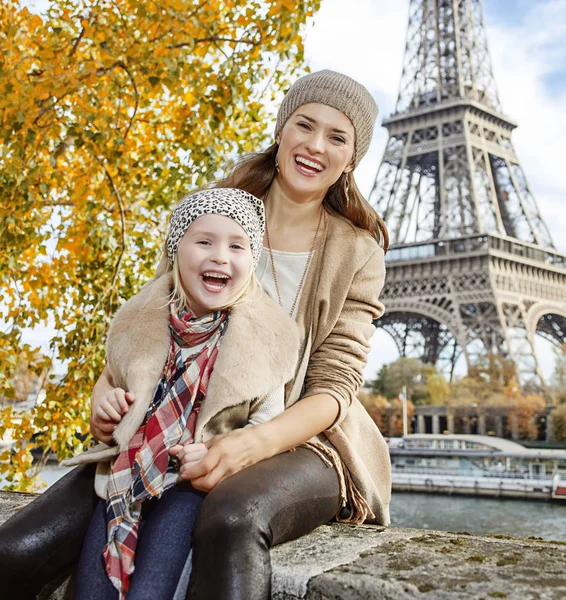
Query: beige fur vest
(258, 353)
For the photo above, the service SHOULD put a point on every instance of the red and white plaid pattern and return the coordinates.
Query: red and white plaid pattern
(143, 471)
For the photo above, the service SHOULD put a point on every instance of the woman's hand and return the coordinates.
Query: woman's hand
(227, 454)
(108, 407)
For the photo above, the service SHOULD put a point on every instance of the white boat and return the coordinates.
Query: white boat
(476, 465)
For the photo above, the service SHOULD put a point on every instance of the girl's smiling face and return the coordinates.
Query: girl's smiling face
(316, 146)
(215, 262)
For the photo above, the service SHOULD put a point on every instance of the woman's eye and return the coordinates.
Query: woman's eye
(304, 125)
(338, 139)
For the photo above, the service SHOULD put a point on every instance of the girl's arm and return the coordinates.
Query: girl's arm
(234, 451)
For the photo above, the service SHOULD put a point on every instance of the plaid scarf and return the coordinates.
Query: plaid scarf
(144, 469)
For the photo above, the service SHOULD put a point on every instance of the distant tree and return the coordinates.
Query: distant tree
(30, 376)
(558, 380)
(378, 409)
(438, 389)
(558, 423)
(493, 369)
(485, 382)
(409, 372)
(396, 417)
(526, 410)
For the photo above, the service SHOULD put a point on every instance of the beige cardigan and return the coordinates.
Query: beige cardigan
(335, 319)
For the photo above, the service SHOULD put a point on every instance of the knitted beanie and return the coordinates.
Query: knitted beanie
(340, 92)
(245, 209)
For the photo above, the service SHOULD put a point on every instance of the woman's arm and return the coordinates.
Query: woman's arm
(234, 451)
(336, 367)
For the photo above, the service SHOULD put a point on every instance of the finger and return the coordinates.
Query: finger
(203, 467)
(189, 451)
(120, 403)
(174, 450)
(97, 420)
(106, 427)
(207, 482)
(191, 459)
(195, 450)
(110, 413)
(199, 446)
(130, 397)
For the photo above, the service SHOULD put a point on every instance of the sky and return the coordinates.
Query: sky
(527, 41)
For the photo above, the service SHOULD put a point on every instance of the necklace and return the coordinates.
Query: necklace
(309, 259)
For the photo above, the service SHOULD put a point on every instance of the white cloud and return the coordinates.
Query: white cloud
(366, 38)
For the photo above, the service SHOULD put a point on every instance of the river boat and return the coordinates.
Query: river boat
(478, 465)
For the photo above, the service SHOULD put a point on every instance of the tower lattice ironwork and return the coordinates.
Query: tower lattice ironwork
(472, 268)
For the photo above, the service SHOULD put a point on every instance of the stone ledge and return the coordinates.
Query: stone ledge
(340, 562)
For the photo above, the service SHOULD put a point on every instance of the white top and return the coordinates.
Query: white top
(289, 267)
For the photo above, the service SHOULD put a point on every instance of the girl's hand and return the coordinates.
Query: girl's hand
(188, 455)
(227, 454)
(107, 411)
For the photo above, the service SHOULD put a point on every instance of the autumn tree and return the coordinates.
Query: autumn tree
(378, 409)
(396, 417)
(558, 381)
(110, 110)
(409, 372)
(558, 423)
(526, 410)
(29, 377)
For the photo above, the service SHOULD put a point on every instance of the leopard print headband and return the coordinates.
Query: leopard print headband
(245, 209)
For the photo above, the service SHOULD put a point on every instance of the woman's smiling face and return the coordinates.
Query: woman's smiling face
(316, 146)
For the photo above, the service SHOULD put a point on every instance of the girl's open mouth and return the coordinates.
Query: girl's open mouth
(214, 282)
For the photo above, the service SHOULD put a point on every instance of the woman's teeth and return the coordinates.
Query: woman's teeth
(308, 163)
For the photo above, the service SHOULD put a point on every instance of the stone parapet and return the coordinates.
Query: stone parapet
(341, 562)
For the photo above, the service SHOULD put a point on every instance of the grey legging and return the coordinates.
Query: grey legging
(276, 500)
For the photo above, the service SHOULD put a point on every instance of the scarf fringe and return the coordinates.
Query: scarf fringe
(349, 494)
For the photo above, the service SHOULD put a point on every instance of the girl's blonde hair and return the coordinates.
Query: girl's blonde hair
(250, 290)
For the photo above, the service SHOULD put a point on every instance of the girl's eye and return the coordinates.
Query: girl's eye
(237, 246)
(203, 242)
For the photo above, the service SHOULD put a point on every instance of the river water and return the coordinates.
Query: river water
(519, 518)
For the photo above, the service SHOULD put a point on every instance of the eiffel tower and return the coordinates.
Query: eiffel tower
(472, 267)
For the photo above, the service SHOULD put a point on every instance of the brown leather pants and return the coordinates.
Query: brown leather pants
(276, 500)
(41, 542)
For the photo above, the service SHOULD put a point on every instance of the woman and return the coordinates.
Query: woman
(324, 263)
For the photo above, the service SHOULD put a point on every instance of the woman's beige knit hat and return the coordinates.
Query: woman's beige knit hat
(340, 92)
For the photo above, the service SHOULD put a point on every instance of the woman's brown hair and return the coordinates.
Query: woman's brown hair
(254, 173)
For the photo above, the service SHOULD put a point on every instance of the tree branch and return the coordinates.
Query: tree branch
(77, 42)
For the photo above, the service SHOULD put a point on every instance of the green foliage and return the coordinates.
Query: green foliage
(558, 423)
(409, 372)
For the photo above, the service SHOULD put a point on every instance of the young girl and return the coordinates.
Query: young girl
(208, 313)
